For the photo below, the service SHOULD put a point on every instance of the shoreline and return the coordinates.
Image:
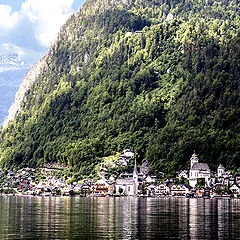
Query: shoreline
(89, 196)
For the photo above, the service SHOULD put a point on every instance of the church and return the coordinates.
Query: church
(198, 170)
(128, 183)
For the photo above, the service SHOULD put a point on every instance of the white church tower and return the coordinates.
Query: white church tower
(194, 159)
(220, 170)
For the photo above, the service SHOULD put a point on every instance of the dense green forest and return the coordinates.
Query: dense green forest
(120, 76)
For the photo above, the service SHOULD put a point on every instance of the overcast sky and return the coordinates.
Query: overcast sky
(27, 27)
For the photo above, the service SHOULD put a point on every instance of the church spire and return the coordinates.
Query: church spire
(135, 165)
(135, 178)
(194, 159)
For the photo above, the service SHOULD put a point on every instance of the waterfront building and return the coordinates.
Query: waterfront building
(162, 189)
(99, 189)
(180, 189)
(197, 171)
(128, 184)
(235, 188)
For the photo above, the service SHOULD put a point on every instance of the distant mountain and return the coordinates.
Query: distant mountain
(157, 76)
(11, 59)
(12, 71)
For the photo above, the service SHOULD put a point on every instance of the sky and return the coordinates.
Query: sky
(28, 27)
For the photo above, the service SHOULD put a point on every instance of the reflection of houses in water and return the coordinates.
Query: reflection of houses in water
(129, 215)
(210, 219)
(193, 221)
(224, 224)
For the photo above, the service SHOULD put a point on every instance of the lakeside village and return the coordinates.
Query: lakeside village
(198, 182)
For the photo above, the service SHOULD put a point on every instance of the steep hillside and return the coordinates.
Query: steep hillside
(120, 76)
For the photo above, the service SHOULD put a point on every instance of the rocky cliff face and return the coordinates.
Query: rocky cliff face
(26, 84)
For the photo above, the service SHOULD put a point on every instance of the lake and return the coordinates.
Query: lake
(118, 218)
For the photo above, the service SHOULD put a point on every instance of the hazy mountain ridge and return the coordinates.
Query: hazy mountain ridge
(26, 84)
(120, 76)
(12, 71)
(11, 59)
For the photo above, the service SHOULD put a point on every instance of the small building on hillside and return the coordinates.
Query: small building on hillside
(150, 179)
(182, 174)
(169, 18)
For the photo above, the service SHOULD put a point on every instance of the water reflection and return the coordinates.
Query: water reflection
(118, 218)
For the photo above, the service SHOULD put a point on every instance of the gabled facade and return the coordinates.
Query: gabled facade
(162, 189)
(180, 189)
(183, 174)
(235, 188)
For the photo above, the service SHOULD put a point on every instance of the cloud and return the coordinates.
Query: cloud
(35, 26)
(8, 19)
(47, 17)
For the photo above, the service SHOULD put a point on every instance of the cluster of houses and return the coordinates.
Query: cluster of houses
(134, 183)
(219, 184)
(218, 181)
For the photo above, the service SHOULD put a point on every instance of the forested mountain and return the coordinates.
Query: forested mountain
(120, 76)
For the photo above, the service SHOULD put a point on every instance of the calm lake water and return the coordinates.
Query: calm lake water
(118, 218)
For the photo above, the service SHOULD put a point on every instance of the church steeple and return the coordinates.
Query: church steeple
(135, 178)
(194, 159)
(135, 165)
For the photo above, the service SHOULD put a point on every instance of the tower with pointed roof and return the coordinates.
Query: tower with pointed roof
(194, 159)
(220, 170)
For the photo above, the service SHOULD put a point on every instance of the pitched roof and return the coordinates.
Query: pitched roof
(221, 166)
(124, 181)
(200, 166)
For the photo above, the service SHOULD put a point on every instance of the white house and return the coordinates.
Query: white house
(180, 189)
(198, 170)
(162, 189)
(183, 173)
(127, 153)
(235, 188)
(150, 179)
(169, 18)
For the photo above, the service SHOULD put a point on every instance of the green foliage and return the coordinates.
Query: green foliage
(164, 91)
(69, 181)
(201, 183)
(120, 190)
(58, 192)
